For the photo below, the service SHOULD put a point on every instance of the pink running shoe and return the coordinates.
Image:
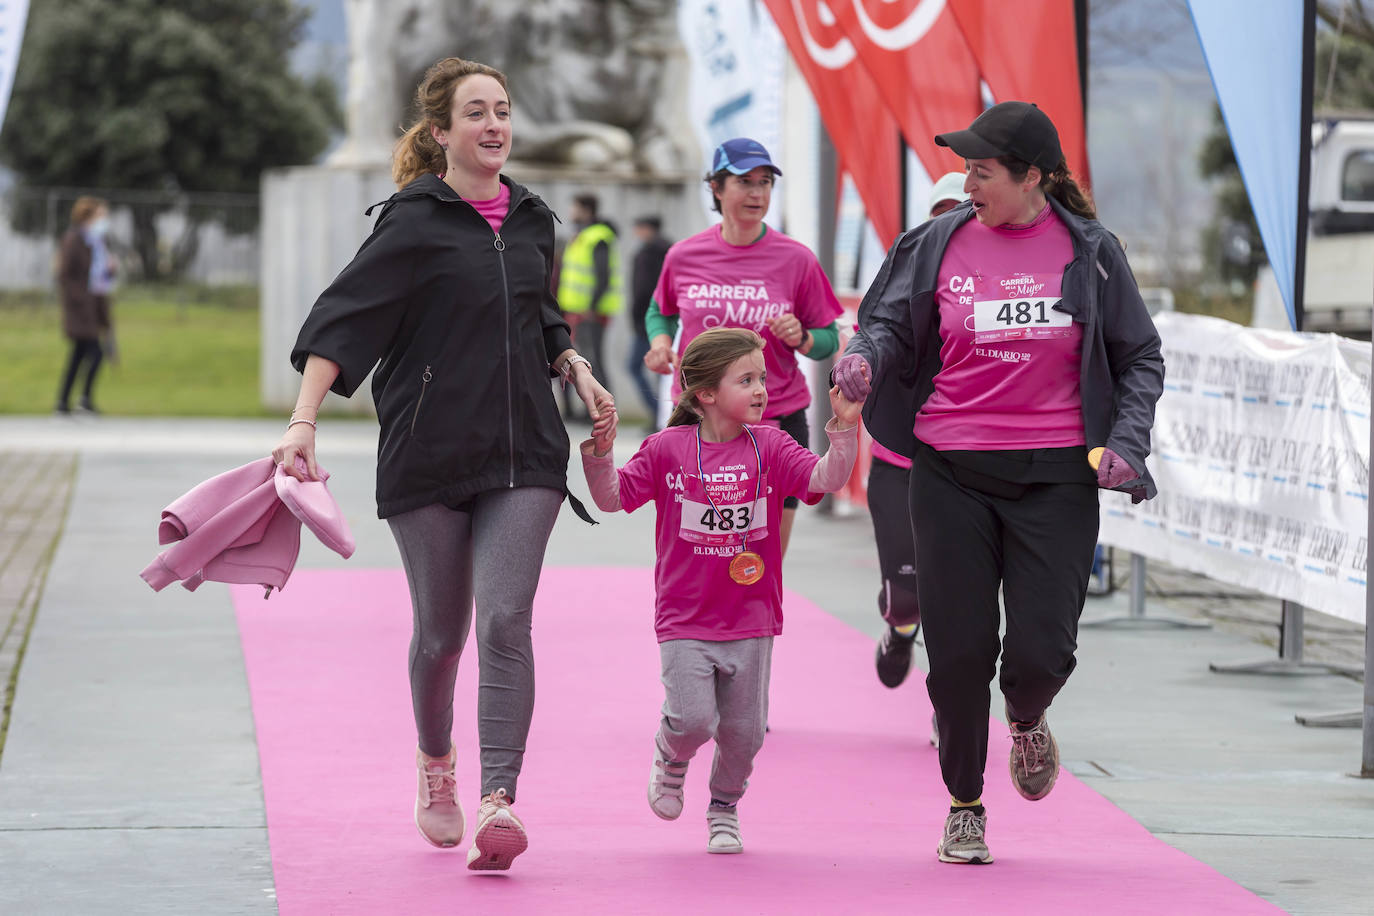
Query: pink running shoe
(438, 814)
(500, 835)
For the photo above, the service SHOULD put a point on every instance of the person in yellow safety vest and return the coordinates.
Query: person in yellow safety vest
(589, 284)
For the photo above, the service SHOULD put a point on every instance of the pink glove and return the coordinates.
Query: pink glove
(853, 376)
(1113, 471)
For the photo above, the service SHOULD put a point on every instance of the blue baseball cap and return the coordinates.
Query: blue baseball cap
(741, 155)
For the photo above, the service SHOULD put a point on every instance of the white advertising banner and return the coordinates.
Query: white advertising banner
(13, 13)
(1261, 454)
(737, 60)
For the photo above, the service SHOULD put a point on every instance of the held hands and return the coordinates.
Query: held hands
(661, 358)
(847, 412)
(853, 376)
(1112, 469)
(600, 406)
(788, 329)
(297, 441)
(602, 444)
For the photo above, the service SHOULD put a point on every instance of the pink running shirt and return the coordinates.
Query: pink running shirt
(494, 210)
(696, 598)
(1010, 372)
(711, 283)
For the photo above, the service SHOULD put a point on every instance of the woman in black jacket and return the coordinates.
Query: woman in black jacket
(449, 300)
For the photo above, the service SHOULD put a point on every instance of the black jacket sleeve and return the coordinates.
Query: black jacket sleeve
(353, 321)
(1133, 354)
(557, 336)
(885, 336)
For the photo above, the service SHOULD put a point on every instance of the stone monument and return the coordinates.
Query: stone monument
(599, 102)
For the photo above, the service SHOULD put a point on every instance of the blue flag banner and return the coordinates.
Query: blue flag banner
(1254, 54)
(13, 14)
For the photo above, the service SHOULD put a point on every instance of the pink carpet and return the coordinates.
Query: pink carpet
(843, 815)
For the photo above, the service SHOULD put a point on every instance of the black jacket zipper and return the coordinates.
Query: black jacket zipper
(425, 378)
(510, 400)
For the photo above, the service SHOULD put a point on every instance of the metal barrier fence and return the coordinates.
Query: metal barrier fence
(206, 238)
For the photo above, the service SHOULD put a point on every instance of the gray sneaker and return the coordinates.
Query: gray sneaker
(722, 826)
(964, 842)
(1034, 759)
(665, 786)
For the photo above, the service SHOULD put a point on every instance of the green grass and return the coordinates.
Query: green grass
(182, 351)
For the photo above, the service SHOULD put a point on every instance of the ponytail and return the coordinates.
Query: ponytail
(683, 413)
(1059, 184)
(417, 152)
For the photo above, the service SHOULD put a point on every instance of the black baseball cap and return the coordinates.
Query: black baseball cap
(1009, 129)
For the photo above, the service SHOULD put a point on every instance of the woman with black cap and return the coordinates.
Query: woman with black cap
(1010, 355)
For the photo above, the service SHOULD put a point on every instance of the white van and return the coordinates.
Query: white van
(1338, 294)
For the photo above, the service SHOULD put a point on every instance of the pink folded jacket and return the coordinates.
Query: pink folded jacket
(244, 526)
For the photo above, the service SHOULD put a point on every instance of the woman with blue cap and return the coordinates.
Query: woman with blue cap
(741, 273)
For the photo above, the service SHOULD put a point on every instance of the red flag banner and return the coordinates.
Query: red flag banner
(1029, 52)
(922, 67)
(863, 130)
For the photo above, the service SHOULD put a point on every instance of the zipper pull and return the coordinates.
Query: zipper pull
(500, 245)
(427, 376)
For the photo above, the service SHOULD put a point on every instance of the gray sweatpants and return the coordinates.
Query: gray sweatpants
(492, 553)
(716, 690)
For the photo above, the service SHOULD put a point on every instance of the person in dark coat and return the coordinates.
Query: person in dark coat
(85, 277)
(648, 264)
(449, 299)
(1011, 358)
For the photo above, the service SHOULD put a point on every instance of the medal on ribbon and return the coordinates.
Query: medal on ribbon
(746, 566)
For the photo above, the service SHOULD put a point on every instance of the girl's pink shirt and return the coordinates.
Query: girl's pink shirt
(696, 598)
(1008, 393)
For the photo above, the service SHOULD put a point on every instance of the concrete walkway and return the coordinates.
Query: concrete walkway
(129, 777)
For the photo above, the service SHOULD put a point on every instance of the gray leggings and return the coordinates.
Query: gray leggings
(492, 552)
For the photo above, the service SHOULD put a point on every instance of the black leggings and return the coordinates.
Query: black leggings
(1038, 549)
(889, 506)
(795, 425)
(85, 350)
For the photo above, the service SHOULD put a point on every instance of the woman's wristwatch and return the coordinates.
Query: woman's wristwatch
(567, 368)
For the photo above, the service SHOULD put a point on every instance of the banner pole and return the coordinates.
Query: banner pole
(1135, 618)
(1367, 750)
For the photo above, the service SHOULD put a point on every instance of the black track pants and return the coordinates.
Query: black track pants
(1039, 550)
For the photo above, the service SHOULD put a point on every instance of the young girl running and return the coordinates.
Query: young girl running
(717, 479)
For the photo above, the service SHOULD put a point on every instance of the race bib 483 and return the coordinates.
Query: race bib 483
(724, 524)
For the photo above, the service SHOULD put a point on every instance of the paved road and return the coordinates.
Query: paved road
(129, 779)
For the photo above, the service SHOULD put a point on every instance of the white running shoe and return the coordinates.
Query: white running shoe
(722, 825)
(665, 786)
(438, 814)
(500, 835)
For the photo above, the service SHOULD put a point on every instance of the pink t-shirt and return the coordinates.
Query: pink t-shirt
(1010, 370)
(697, 599)
(494, 210)
(711, 283)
